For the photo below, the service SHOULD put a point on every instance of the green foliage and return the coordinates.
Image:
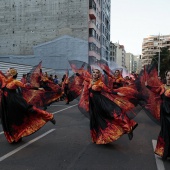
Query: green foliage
(164, 60)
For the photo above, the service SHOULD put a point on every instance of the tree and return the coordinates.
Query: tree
(164, 60)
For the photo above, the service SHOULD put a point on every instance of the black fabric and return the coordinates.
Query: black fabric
(165, 124)
(101, 110)
(117, 85)
(77, 74)
(45, 86)
(114, 92)
(13, 109)
(34, 88)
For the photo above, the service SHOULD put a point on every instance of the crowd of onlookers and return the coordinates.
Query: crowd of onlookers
(26, 78)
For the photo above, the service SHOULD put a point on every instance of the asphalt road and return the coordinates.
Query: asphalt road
(67, 146)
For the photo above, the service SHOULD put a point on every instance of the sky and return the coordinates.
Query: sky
(133, 20)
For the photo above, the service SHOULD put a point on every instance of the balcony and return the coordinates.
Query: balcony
(93, 53)
(93, 39)
(92, 14)
(92, 25)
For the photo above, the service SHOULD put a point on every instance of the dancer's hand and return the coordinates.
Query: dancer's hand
(41, 89)
(27, 84)
(146, 83)
(120, 94)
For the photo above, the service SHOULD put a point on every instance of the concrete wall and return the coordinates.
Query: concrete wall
(27, 23)
(54, 54)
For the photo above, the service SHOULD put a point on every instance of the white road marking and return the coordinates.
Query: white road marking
(159, 162)
(64, 109)
(25, 145)
(56, 105)
(1, 133)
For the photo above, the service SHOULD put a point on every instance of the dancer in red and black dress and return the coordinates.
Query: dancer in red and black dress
(163, 92)
(106, 110)
(19, 119)
(43, 98)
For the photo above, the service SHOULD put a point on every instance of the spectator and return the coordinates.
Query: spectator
(55, 79)
(23, 79)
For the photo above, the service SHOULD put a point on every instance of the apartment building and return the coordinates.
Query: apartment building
(105, 29)
(129, 62)
(133, 63)
(151, 45)
(117, 54)
(113, 52)
(59, 27)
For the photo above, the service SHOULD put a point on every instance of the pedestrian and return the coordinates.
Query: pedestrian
(108, 119)
(23, 79)
(28, 77)
(19, 119)
(51, 77)
(163, 142)
(65, 86)
(55, 79)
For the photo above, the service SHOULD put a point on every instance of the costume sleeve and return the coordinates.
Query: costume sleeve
(108, 74)
(22, 85)
(1, 77)
(2, 80)
(158, 90)
(106, 89)
(83, 77)
(122, 79)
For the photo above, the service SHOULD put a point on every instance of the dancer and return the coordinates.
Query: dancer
(43, 98)
(19, 119)
(105, 109)
(116, 79)
(163, 141)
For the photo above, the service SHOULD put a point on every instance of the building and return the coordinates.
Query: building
(105, 29)
(137, 65)
(151, 45)
(129, 62)
(133, 63)
(26, 25)
(113, 52)
(117, 54)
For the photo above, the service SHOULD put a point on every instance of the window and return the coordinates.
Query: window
(92, 32)
(92, 5)
(92, 47)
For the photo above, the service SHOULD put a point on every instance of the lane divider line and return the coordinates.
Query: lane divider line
(56, 105)
(159, 162)
(64, 109)
(1, 133)
(25, 145)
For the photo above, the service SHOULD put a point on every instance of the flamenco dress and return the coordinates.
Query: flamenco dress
(163, 142)
(106, 111)
(19, 119)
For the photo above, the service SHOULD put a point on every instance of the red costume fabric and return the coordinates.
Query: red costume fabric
(18, 118)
